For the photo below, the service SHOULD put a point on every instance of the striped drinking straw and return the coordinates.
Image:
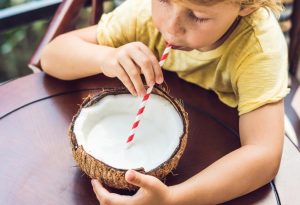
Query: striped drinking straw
(146, 97)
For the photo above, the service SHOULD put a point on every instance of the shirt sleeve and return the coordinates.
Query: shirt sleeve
(131, 21)
(119, 26)
(262, 79)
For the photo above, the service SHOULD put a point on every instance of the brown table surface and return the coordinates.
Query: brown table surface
(35, 155)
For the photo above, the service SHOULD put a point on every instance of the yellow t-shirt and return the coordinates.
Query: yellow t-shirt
(247, 71)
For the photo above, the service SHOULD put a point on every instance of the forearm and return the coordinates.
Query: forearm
(70, 57)
(236, 174)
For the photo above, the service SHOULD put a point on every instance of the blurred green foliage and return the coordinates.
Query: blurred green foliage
(9, 3)
(18, 44)
(16, 47)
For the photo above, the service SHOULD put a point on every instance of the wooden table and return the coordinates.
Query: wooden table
(37, 166)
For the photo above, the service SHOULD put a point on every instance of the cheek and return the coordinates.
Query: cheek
(203, 36)
(217, 29)
(156, 21)
(156, 15)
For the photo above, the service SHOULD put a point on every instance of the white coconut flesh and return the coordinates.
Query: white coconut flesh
(103, 128)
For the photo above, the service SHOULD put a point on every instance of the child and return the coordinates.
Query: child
(233, 47)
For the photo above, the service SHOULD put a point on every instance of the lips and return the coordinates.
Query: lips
(181, 48)
(178, 47)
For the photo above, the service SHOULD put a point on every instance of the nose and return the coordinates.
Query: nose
(174, 25)
(171, 39)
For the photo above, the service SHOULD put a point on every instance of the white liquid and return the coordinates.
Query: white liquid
(103, 129)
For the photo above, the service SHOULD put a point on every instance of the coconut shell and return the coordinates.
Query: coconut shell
(114, 177)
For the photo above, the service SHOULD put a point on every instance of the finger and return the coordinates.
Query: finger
(145, 64)
(134, 74)
(158, 74)
(106, 197)
(124, 78)
(142, 180)
(101, 193)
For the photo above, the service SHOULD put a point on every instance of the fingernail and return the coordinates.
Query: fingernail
(142, 93)
(93, 181)
(130, 175)
(160, 80)
(151, 83)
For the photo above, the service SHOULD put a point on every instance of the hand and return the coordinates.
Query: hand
(152, 191)
(128, 62)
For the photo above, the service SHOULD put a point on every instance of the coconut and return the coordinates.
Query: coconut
(99, 131)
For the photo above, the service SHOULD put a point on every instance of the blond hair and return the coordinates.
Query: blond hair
(274, 5)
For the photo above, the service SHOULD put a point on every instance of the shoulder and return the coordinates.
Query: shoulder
(258, 32)
(123, 24)
(134, 20)
(139, 10)
(265, 29)
(257, 41)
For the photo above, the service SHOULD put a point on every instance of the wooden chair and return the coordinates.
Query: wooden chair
(294, 48)
(62, 22)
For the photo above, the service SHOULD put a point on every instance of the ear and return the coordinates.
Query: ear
(247, 10)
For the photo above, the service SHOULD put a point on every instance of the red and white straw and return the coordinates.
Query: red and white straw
(146, 98)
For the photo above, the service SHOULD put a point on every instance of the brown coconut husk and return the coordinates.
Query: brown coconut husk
(114, 177)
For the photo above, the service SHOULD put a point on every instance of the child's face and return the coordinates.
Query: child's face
(192, 26)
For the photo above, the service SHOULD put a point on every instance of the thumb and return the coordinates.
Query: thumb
(140, 180)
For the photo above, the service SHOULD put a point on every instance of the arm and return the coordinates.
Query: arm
(76, 55)
(243, 170)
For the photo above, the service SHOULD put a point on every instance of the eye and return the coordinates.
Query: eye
(196, 18)
(163, 1)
